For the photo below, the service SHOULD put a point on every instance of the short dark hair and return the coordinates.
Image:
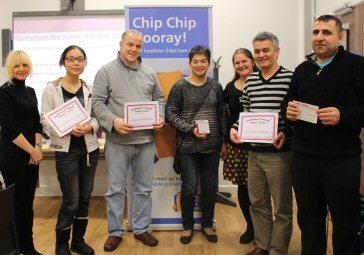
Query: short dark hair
(199, 49)
(66, 50)
(327, 18)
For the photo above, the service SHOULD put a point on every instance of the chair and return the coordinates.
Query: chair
(8, 236)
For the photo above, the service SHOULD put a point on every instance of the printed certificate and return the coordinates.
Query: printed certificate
(141, 114)
(66, 116)
(202, 126)
(258, 127)
(308, 112)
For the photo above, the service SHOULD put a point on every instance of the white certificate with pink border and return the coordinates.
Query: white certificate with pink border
(142, 115)
(66, 116)
(308, 112)
(258, 127)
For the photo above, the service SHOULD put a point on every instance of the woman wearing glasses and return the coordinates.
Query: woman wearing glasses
(76, 153)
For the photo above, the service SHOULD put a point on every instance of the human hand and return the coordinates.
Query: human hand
(36, 156)
(122, 127)
(201, 136)
(292, 111)
(329, 116)
(223, 152)
(280, 140)
(81, 129)
(234, 136)
(159, 125)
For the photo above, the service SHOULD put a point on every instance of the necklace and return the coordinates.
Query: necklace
(239, 84)
(197, 82)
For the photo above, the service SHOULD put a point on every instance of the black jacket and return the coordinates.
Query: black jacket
(340, 84)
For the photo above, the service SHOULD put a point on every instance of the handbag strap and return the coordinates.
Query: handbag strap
(198, 107)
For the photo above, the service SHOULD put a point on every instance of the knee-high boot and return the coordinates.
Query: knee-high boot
(78, 242)
(244, 202)
(62, 238)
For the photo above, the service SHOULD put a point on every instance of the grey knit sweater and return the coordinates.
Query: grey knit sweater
(183, 101)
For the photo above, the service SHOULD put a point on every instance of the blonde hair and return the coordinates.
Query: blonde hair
(15, 58)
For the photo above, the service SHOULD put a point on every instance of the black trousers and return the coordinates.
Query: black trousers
(327, 183)
(15, 169)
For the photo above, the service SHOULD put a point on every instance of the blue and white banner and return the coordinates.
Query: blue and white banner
(169, 33)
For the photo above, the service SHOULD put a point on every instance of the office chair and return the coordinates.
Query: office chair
(8, 236)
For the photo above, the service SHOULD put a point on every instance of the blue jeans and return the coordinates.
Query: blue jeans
(193, 166)
(76, 180)
(120, 159)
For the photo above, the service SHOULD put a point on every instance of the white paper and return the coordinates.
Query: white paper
(202, 126)
(66, 116)
(142, 115)
(308, 112)
(258, 127)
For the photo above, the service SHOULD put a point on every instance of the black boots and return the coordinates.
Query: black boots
(248, 235)
(62, 238)
(30, 250)
(78, 243)
(244, 202)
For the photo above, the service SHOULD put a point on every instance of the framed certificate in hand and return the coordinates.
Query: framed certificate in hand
(66, 116)
(142, 115)
(258, 127)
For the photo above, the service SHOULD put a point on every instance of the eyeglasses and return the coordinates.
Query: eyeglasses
(72, 59)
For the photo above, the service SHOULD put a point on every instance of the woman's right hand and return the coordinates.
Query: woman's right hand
(36, 156)
(201, 136)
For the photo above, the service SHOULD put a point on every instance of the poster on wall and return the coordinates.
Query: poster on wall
(169, 33)
(44, 36)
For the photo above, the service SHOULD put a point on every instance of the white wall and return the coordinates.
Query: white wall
(327, 6)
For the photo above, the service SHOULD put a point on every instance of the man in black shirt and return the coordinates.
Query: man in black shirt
(326, 153)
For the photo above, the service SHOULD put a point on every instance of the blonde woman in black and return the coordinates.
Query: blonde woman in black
(20, 144)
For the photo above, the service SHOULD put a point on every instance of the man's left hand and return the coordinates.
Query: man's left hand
(159, 124)
(329, 116)
(280, 140)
